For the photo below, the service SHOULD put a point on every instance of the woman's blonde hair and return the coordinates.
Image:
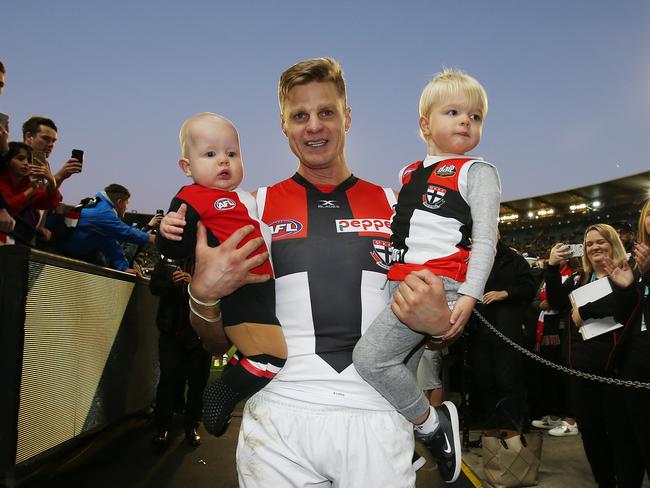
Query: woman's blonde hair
(642, 235)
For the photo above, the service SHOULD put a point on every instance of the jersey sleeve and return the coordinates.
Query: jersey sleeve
(185, 247)
(483, 196)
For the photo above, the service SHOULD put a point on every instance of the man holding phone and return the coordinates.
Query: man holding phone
(40, 133)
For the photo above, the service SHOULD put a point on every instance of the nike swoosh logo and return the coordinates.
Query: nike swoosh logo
(447, 448)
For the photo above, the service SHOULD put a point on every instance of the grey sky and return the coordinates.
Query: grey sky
(568, 83)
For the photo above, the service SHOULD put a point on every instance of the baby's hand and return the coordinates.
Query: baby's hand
(459, 316)
(171, 226)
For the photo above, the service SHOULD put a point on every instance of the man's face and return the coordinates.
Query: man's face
(2, 82)
(315, 120)
(121, 205)
(42, 140)
(214, 155)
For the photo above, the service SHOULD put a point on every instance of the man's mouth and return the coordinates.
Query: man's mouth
(319, 143)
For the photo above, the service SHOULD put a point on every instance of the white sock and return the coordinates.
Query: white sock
(430, 424)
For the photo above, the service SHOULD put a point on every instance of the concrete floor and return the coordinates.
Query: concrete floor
(125, 458)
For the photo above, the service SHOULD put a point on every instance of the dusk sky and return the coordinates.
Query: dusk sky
(568, 83)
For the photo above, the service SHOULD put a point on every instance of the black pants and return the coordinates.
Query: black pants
(635, 365)
(182, 358)
(607, 434)
(498, 379)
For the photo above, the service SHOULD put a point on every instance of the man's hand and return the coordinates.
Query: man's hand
(219, 271)
(70, 167)
(459, 316)
(180, 277)
(7, 223)
(543, 305)
(642, 256)
(155, 221)
(44, 234)
(621, 275)
(421, 304)
(172, 224)
(494, 296)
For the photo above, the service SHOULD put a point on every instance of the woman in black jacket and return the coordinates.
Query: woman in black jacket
(633, 359)
(599, 412)
(496, 366)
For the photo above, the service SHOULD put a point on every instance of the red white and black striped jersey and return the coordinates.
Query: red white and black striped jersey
(432, 225)
(330, 254)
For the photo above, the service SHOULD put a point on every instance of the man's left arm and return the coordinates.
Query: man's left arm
(110, 224)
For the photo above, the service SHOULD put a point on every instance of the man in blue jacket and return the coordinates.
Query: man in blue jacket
(100, 227)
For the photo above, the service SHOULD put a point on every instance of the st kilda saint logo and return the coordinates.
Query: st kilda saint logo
(381, 253)
(434, 197)
(224, 204)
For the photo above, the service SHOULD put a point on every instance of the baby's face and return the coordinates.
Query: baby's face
(214, 155)
(453, 127)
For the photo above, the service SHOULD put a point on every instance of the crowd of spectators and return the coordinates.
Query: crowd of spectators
(32, 211)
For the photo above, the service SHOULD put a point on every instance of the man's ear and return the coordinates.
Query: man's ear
(27, 138)
(184, 165)
(424, 126)
(282, 125)
(348, 119)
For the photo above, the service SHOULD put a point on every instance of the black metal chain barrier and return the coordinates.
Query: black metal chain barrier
(558, 367)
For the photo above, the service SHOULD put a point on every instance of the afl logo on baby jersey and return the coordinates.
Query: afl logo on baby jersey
(381, 253)
(285, 227)
(434, 197)
(224, 204)
(446, 171)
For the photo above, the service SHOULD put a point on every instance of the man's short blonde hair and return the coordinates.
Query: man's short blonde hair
(307, 71)
(449, 83)
(184, 135)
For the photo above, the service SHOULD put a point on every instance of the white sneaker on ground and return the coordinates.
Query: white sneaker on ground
(547, 422)
(565, 429)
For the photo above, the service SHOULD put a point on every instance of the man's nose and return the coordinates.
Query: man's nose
(314, 124)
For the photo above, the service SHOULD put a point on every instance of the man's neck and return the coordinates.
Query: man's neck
(325, 176)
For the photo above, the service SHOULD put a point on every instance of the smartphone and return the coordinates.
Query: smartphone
(160, 211)
(4, 120)
(78, 154)
(39, 157)
(576, 250)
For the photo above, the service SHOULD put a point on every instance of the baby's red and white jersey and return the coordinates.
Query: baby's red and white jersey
(331, 253)
(432, 225)
(222, 213)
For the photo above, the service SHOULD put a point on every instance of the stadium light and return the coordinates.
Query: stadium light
(596, 204)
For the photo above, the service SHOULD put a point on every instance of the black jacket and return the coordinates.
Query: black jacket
(510, 272)
(173, 309)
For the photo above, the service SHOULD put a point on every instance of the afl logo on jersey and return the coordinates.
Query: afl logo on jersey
(381, 253)
(446, 171)
(434, 197)
(285, 227)
(224, 204)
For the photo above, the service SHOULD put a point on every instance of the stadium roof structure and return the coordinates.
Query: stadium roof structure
(627, 193)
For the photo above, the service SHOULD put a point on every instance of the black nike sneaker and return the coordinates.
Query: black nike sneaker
(444, 442)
